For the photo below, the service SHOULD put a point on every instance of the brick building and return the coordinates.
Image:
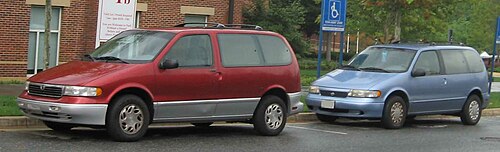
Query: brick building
(74, 23)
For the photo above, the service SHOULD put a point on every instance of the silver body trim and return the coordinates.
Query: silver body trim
(86, 114)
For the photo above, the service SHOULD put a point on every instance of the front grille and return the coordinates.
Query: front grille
(333, 93)
(45, 90)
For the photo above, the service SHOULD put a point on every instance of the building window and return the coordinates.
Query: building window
(37, 36)
(195, 19)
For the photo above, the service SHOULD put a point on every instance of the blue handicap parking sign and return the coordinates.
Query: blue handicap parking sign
(334, 15)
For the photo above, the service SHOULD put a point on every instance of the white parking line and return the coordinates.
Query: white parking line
(318, 130)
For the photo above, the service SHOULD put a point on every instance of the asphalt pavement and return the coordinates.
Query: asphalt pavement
(424, 134)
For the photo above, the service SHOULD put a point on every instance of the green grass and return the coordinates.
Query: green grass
(496, 79)
(11, 82)
(8, 106)
(303, 100)
(494, 100)
(308, 76)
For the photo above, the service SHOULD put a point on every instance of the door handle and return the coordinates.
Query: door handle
(445, 81)
(218, 74)
(213, 70)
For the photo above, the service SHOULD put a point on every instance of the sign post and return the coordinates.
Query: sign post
(114, 16)
(495, 43)
(333, 19)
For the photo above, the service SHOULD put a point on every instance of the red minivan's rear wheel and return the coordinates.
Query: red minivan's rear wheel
(127, 118)
(269, 118)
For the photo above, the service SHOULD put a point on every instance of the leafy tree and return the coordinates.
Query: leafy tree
(282, 16)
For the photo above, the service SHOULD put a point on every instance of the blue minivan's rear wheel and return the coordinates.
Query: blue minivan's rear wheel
(471, 112)
(394, 114)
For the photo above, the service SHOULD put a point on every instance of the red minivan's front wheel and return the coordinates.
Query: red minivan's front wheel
(127, 118)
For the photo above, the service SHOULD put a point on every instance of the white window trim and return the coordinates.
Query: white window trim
(37, 43)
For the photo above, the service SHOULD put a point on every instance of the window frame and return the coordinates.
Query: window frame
(191, 67)
(37, 43)
(205, 16)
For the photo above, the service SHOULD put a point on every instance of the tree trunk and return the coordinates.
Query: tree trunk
(328, 46)
(397, 25)
(48, 16)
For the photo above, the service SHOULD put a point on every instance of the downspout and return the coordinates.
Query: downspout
(231, 12)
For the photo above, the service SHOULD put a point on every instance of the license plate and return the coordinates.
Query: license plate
(328, 104)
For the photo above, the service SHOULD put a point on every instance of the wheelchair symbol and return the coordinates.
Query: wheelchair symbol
(335, 13)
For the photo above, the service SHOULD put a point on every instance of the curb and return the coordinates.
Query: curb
(25, 122)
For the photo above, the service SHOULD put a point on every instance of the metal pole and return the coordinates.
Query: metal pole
(341, 54)
(320, 45)
(494, 54)
(357, 42)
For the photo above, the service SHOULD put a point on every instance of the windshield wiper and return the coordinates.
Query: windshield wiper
(373, 69)
(89, 57)
(349, 67)
(111, 58)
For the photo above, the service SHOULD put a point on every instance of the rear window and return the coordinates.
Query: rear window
(239, 50)
(475, 62)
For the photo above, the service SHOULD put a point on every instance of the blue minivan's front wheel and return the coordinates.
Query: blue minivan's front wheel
(395, 111)
(471, 112)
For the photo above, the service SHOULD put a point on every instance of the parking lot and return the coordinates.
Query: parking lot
(424, 134)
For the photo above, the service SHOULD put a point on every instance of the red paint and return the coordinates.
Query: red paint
(216, 82)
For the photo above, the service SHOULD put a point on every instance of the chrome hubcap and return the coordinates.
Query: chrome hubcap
(274, 116)
(397, 113)
(474, 110)
(131, 119)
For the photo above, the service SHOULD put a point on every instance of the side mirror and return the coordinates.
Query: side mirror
(169, 64)
(418, 73)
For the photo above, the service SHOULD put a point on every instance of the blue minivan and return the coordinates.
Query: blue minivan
(399, 81)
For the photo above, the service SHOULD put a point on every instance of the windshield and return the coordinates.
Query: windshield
(379, 59)
(133, 46)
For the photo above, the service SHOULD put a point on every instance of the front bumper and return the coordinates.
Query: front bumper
(295, 105)
(347, 107)
(85, 114)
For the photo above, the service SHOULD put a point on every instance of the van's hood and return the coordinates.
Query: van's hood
(77, 72)
(348, 79)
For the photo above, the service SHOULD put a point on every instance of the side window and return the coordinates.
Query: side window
(192, 51)
(275, 51)
(475, 63)
(428, 61)
(239, 50)
(454, 62)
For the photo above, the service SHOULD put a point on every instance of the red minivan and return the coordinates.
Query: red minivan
(179, 74)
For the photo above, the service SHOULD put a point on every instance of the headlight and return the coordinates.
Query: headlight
(26, 85)
(82, 91)
(314, 89)
(364, 93)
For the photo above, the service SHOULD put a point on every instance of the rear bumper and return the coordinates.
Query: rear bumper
(85, 114)
(295, 105)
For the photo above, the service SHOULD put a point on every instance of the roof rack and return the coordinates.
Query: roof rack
(431, 42)
(256, 27)
(223, 26)
(216, 25)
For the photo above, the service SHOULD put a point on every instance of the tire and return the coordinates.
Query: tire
(206, 124)
(395, 112)
(326, 118)
(269, 117)
(59, 127)
(127, 118)
(471, 111)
